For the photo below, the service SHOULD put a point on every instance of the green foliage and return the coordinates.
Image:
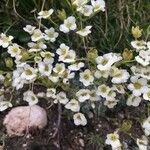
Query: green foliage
(111, 30)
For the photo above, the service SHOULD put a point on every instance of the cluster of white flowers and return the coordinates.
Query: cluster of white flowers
(61, 67)
(87, 9)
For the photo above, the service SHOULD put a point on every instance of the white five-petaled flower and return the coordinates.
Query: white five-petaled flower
(69, 24)
(146, 126)
(94, 96)
(50, 35)
(76, 66)
(86, 10)
(83, 95)
(51, 92)
(62, 50)
(146, 95)
(79, 119)
(5, 41)
(37, 35)
(59, 68)
(14, 50)
(133, 101)
(4, 105)
(73, 105)
(110, 103)
(85, 31)
(142, 143)
(45, 69)
(138, 45)
(113, 140)
(29, 29)
(107, 60)
(45, 14)
(29, 73)
(30, 97)
(98, 5)
(36, 47)
(119, 75)
(143, 58)
(101, 73)
(138, 85)
(86, 77)
(62, 98)
(103, 90)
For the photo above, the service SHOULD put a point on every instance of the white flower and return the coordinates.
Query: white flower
(50, 35)
(148, 45)
(69, 24)
(62, 98)
(36, 47)
(41, 94)
(5, 41)
(85, 31)
(69, 58)
(107, 60)
(83, 95)
(45, 68)
(146, 95)
(73, 105)
(111, 95)
(86, 10)
(142, 143)
(101, 73)
(98, 5)
(120, 76)
(51, 92)
(65, 54)
(45, 14)
(118, 88)
(146, 126)
(48, 57)
(94, 96)
(4, 105)
(79, 119)
(86, 77)
(144, 57)
(110, 103)
(141, 71)
(29, 29)
(138, 45)
(67, 75)
(79, 3)
(133, 101)
(18, 82)
(63, 49)
(14, 50)
(138, 86)
(103, 90)
(29, 73)
(37, 35)
(76, 66)
(113, 140)
(54, 78)
(30, 97)
(59, 68)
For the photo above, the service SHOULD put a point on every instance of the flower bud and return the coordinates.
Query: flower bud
(92, 54)
(61, 14)
(136, 32)
(127, 54)
(8, 62)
